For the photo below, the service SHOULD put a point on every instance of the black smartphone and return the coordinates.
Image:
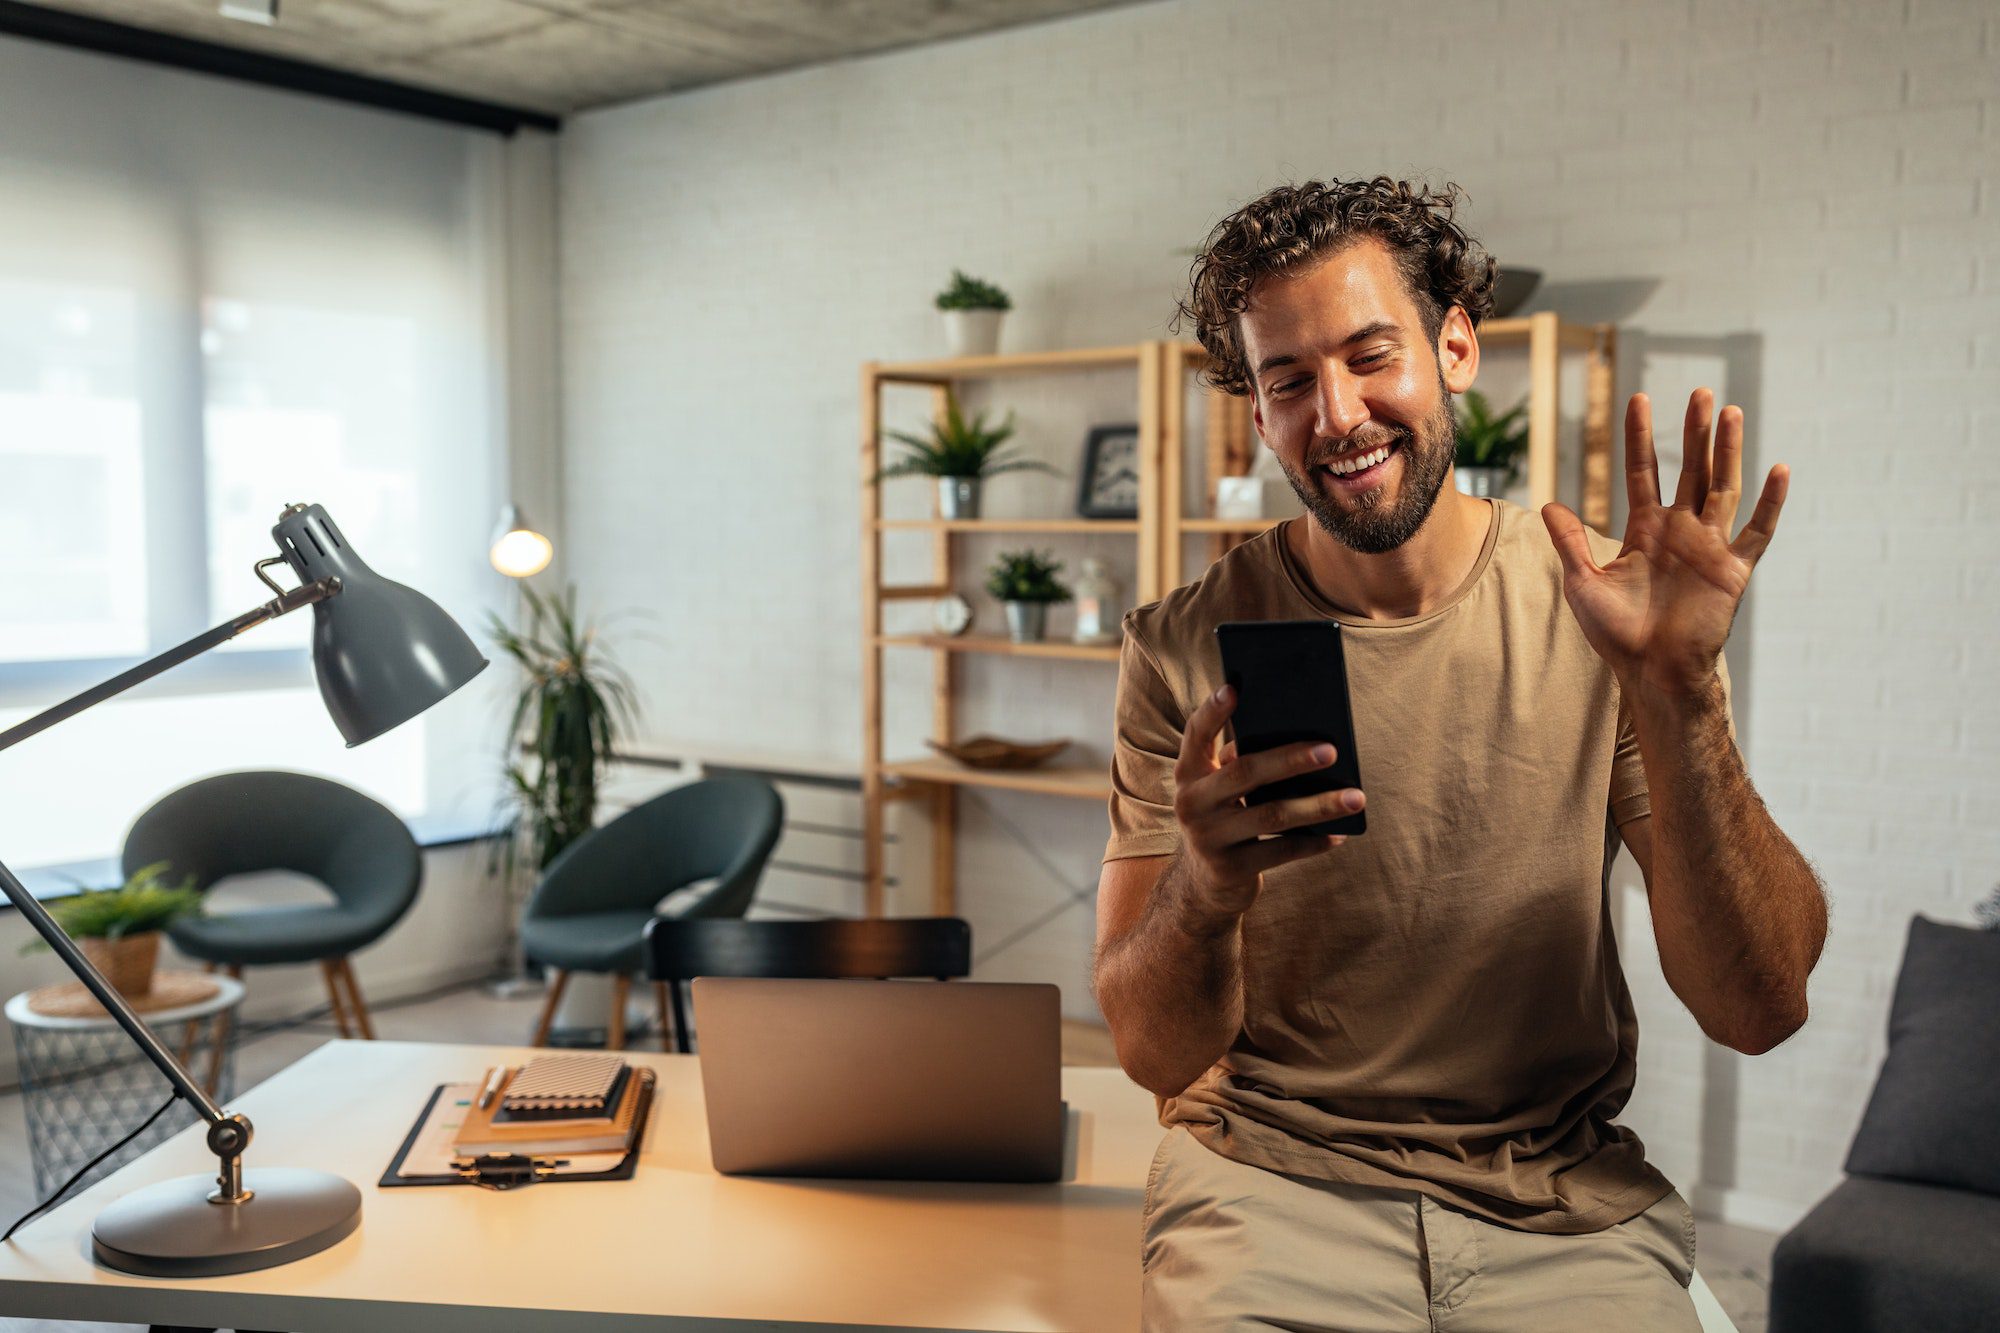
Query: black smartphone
(1290, 678)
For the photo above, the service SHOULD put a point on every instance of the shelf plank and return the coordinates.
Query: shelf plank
(996, 643)
(1232, 524)
(948, 369)
(1085, 783)
(1109, 525)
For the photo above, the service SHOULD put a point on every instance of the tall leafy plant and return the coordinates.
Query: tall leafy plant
(574, 707)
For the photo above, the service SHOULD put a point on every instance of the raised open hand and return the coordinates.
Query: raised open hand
(1660, 611)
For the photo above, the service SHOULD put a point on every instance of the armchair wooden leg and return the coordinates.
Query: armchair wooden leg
(621, 991)
(356, 1005)
(666, 1025)
(329, 969)
(558, 982)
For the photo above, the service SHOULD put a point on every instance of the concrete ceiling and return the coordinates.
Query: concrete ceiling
(560, 56)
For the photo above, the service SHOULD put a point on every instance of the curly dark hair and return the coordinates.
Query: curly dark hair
(1289, 228)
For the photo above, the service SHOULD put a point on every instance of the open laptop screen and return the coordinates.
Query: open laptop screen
(882, 1080)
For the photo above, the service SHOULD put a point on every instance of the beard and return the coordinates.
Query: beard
(1375, 521)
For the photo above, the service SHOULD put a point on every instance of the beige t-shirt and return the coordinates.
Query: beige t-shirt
(1437, 1005)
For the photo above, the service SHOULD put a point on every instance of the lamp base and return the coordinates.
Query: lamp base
(172, 1230)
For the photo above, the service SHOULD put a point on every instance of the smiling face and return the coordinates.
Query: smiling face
(1342, 370)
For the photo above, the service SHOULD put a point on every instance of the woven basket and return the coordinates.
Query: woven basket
(127, 962)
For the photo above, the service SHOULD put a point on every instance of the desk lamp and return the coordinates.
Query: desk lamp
(383, 653)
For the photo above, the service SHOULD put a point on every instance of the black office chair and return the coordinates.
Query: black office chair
(678, 951)
(597, 897)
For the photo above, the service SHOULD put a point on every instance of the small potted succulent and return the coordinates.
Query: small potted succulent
(972, 310)
(960, 454)
(1026, 582)
(118, 929)
(1488, 458)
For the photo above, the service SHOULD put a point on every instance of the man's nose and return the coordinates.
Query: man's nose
(1341, 409)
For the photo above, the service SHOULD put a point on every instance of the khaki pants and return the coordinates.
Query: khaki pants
(1230, 1247)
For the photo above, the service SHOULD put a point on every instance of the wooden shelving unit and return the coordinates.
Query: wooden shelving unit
(1160, 369)
(936, 780)
(994, 643)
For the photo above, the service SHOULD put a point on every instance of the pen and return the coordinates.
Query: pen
(489, 1086)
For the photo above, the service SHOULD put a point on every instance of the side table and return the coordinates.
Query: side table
(84, 1085)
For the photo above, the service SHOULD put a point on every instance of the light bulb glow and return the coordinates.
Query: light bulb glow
(521, 553)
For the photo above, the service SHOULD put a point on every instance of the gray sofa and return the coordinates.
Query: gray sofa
(1911, 1239)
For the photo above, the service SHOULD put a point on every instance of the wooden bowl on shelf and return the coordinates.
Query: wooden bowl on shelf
(997, 752)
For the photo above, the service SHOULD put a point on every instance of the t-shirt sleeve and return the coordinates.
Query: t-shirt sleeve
(1147, 745)
(1630, 798)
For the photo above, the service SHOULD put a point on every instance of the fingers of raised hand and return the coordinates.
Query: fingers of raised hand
(1693, 488)
(1763, 524)
(1572, 547)
(1725, 483)
(1204, 725)
(1642, 469)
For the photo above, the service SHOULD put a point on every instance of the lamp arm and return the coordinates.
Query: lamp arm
(38, 915)
(108, 996)
(287, 600)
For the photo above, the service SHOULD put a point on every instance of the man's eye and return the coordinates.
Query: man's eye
(1373, 358)
(1288, 385)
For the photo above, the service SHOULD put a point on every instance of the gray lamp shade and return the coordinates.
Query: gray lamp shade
(383, 652)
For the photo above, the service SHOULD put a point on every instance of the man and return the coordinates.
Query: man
(1389, 1064)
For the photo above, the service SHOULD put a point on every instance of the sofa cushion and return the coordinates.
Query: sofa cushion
(1884, 1254)
(1936, 1102)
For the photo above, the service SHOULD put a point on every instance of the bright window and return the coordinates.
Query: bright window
(216, 300)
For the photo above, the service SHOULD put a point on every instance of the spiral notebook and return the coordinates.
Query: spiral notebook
(563, 1087)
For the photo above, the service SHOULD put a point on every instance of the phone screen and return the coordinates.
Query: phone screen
(1290, 678)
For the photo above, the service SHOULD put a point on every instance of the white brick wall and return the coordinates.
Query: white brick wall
(1806, 195)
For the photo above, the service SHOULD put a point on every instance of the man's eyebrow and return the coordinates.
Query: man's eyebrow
(1371, 330)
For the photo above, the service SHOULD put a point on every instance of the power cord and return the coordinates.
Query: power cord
(92, 1165)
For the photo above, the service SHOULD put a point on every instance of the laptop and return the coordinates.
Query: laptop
(882, 1080)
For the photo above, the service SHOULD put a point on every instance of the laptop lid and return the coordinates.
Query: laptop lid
(882, 1080)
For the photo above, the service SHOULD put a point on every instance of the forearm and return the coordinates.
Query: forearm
(1171, 988)
(1739, 914)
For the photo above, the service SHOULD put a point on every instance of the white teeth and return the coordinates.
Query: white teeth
(1367, 460)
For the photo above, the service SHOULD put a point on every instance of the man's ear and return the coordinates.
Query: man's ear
(1257, 415)
(1457, 350)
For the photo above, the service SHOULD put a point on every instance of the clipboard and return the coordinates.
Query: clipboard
(425, 1156)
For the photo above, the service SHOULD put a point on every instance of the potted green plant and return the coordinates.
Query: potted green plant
(118, 929)
(1488, 458)
(972, 310)
(960, 454)
(1026, 582)
(573, 710)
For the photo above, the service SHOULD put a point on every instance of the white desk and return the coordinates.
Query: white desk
(676, 1248)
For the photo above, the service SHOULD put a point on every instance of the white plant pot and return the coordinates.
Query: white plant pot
(1027, 622)
(972, 332)
(1481, 481)
(958, 497)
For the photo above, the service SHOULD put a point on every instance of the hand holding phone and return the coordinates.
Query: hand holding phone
(1227, 844)
(1291, 681)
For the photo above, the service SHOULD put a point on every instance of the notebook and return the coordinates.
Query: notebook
(480, 1133)
(563, 1087)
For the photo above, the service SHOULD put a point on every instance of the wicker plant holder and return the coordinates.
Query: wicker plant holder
(127, 962)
